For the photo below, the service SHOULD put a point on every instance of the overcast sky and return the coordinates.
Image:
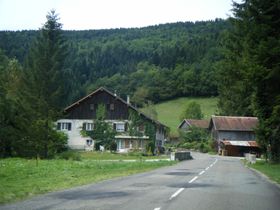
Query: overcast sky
(101, 14)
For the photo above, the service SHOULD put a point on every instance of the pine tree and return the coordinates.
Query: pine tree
(46, 80)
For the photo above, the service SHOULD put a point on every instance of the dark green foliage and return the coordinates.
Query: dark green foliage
(103, 133)
(194, 134)
(150, 148)
(101, 112)
(31, 99)
(149, 130)
(150, 111)
(136, 121)
(268, 133)
(45, 74)
(113, 146)
(156, 63)
(140, 96)
(42, 137)
(46, 87)
(251, 70)
(196, 138)
(13, 113)
(192, 111)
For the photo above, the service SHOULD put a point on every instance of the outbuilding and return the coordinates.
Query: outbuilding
(234, 135)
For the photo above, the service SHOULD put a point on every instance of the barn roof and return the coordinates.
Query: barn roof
(240, 143)
(196, 123)
(231, 123)
(115, 96)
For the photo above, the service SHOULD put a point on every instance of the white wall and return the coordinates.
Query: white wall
(75, 140)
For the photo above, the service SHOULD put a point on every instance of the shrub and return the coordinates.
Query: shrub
(70, 155)
(113, 146)
(150, 147)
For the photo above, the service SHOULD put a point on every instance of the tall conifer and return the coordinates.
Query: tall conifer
(46, 80)
(251, 71)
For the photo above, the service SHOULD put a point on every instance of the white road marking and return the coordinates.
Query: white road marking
(158, 208)
(202, 172)
(193, 179)
(176, 193)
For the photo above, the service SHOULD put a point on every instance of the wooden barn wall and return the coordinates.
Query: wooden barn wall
(237, 135)
(83, 110)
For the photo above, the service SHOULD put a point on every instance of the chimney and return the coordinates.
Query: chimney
(115, 93)
(127, 99)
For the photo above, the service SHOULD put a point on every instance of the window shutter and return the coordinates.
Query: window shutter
(58, 126)
(84, 126)
(125, 126)
(69, 126)
(114, 126)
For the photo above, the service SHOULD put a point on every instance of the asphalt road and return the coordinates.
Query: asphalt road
(206, 182)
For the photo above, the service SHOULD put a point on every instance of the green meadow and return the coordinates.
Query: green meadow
(169, 112)
(22, 178)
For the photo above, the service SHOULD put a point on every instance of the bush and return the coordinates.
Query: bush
(150, 148)
(97, 145)
(113, 146)
(70, 155)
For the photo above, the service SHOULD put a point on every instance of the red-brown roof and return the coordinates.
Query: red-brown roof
(241, 143)
(196, 123)
(234, 123)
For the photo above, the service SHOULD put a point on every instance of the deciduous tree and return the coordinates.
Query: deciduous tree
(192, 111)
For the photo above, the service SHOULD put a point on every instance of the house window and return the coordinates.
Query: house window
(64, 126)
(91, 107)
(119, 127)
(89, 142)
(112, 107)
(88, 126)
(141, 128)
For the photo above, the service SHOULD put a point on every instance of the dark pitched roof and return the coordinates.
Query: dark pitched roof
(118, 98)
(234, 123)
(196, 123)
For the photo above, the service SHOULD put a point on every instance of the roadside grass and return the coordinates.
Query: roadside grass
(169, 111)
(118, 156)
(21, 178)
(272, 170)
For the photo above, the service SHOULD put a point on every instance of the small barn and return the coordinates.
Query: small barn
(234, 135)
(187, 123)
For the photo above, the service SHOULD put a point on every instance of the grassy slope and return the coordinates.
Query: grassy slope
(169, 112)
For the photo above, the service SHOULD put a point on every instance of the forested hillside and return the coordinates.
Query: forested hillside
(236, 59)
(152, 63)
